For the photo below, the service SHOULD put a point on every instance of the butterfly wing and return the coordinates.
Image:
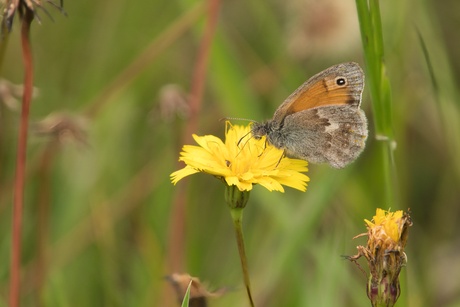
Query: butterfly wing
(341, 84)
(330, 134)
(321, 122)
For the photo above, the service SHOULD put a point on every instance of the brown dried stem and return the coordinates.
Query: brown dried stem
(177, 231)
(18, 199)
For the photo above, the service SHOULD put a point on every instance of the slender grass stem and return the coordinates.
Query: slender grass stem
(372, 38)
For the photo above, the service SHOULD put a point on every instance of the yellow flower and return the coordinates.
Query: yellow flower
(387, 237)
(242, 161)
(386, 225)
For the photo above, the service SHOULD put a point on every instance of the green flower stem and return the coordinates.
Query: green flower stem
(237, 216)
(237, 200)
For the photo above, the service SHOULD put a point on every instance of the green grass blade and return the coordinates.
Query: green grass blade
(186, 299)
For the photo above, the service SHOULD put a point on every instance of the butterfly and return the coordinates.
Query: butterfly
(321, 121)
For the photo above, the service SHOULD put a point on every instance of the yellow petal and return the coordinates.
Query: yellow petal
(178, 175)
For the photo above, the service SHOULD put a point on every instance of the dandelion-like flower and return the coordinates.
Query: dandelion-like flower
(387, 237)
(242, 161)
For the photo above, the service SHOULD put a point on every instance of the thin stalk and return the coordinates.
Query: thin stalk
(18, 198)
(237, 216)
(43, 214)
(4, 35)
(199, 73)
(177, 230)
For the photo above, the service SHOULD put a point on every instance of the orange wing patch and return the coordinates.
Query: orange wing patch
(322, 93)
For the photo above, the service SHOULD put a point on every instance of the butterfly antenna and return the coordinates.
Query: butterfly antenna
(238, 144)
(237, 118)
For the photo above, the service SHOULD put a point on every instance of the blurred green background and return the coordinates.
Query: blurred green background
(99, 218)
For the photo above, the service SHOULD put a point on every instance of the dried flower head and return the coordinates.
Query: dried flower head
(9, 94)
(173, 102)
(198, 292)
(387, 237)
(326, 28)
(62, 127)
(12, 6)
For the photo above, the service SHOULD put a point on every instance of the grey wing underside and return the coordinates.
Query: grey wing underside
(329, 134)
